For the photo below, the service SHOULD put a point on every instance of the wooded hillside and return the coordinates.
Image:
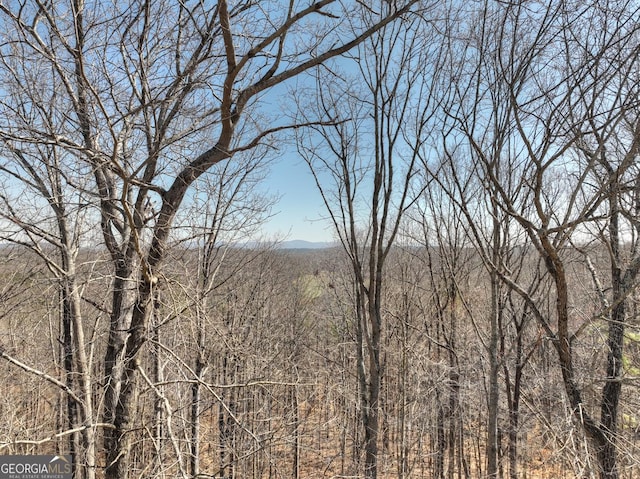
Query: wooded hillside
(478, 168)
(258, 377)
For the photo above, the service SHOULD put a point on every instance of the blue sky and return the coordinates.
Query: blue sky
(298, 213)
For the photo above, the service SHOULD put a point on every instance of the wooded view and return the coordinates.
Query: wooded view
(478, 316)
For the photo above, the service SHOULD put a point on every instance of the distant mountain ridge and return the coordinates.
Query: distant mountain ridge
(302, 244)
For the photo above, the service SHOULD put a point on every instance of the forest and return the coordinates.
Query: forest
(477, 316)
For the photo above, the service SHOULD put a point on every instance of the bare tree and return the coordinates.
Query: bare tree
(532, 92)
(606, 123)
(53, 226)
(449, 262)
(229, 212)
(363, 158)
(151, 95)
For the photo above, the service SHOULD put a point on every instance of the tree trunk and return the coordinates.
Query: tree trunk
(513, 402)
(67, 361)
(441, 441)
(295, 466)
(494, 324)
(600, 439)
(372, 418)
(158, 406)
(195, 409)
(120, 447)
(83, 371)
(123, 301)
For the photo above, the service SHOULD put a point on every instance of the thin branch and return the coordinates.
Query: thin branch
(40, 374)
(68, 432)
